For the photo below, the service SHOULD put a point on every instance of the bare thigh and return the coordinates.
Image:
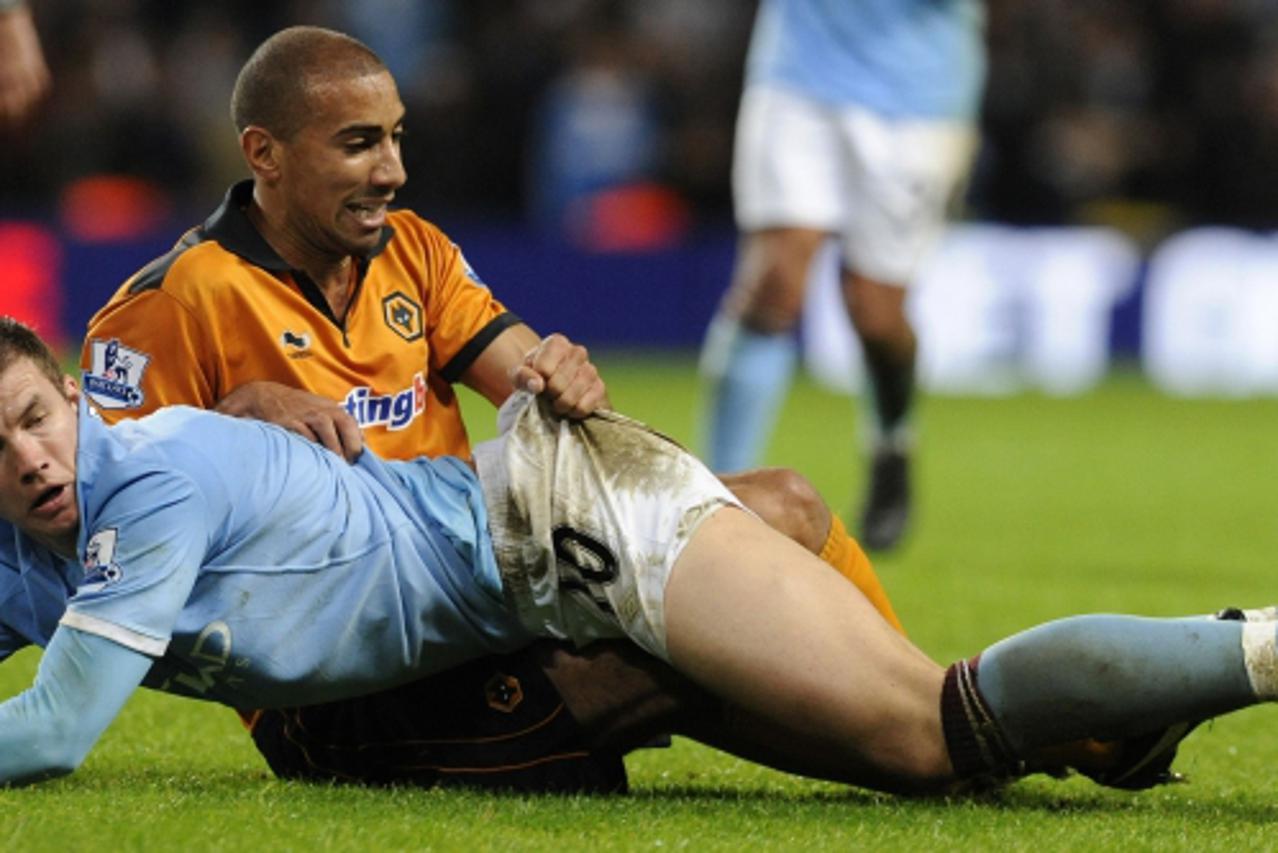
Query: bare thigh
(759, 622)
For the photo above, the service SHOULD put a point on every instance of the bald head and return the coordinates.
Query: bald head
(272, 89)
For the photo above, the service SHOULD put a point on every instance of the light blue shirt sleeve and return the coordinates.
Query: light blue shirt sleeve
(145, 544)
(82, 683)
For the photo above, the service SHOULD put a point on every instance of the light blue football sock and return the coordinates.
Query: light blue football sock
(1110, 677)
(748, 375)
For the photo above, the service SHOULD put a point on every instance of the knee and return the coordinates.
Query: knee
(771, 303)
(770, 280)
(877, 311)
(881, 326)
(787, 501)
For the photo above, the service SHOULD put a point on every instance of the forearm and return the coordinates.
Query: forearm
(490, 374)
(82, 682)
(554, 368)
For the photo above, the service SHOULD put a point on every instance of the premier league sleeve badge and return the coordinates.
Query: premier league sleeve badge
(114, 377)
(100, 568)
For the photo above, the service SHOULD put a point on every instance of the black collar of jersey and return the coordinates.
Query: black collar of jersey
(231, 227)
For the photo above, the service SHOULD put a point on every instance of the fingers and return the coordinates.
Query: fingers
(309, 415)
(581, 396)
(335, 429)
(570, 381)
(352, 437)
(524, 378)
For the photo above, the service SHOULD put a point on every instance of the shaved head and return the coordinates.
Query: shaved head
(272, 88)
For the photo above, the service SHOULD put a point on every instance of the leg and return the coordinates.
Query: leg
(622, 698)
(745, 607)
(786, 501)
(911, 172)
(888, 342)
(1045, 689)
(750, 349)
(495, 723)
(877, 706)
(1112, 677)
(631, 537)
(1144, 682)
(791, 505)
(798, 658)
(877, 310)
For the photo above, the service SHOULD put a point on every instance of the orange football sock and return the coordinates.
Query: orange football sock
(844, 553)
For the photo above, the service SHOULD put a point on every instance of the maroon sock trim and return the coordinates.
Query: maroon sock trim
(973, 737)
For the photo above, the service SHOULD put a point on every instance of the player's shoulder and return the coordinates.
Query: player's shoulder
(178, 432)
(122, 467)
(193, 271)
(225, 251)
(429, 242)
(176, 452)
(196, 271)
(408, 225)
(143, 442)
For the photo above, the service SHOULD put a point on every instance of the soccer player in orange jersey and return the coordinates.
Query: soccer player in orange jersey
(307, 301)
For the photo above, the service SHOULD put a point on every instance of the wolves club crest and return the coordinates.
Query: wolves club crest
(403, 316)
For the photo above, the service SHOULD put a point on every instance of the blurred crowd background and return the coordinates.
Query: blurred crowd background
(1149, 115)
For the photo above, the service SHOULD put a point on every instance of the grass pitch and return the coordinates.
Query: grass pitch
(1030, 508)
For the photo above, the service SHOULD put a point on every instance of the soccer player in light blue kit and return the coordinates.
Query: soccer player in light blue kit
(857, 122)
(232, 561)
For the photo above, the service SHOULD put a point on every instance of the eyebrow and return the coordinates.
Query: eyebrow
(355, 129)
(33, 403)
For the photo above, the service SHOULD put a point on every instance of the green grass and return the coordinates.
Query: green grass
(1030, 508)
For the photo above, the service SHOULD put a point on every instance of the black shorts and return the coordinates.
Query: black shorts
(495, 723)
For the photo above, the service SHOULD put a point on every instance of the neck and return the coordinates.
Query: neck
(337, 289)
(332, 275)
(63, 546)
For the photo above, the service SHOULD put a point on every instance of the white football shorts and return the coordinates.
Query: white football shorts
(882, 185)
(587, 519)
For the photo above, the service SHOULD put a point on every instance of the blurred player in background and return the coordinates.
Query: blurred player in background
(305, 301)
(857, 123)
(24, 76)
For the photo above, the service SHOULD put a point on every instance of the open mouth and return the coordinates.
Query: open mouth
(370, 213)
(47, 496)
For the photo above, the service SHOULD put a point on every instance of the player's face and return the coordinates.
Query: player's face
(340, 171)
(37, 455)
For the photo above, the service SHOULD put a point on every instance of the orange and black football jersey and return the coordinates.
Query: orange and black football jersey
(222, 308)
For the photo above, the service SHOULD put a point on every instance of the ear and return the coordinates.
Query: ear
(71, 390)
(261, 151)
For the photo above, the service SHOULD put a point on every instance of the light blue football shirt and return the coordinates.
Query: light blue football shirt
(899, 58)
(259, 569)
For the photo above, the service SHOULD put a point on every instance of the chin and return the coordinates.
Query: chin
(362, 248)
